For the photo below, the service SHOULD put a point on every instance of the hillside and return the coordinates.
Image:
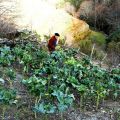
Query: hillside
(73, 75)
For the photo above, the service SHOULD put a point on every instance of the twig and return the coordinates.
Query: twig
(103, 59)
(83, 54)
(92, 52)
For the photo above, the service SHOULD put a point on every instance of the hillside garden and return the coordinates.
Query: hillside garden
(52, 83)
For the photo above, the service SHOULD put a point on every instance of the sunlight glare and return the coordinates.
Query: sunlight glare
(42, 16)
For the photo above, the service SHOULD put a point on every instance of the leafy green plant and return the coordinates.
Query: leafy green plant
(7, 97)
(83, 91)
(36, 85)
(10, 75)
(56, 79)
(26, 60)
(6, 58)
(44, 108)
(18, 52)
(100, 92)
(37, 88)
(64, 100)
(60, 71)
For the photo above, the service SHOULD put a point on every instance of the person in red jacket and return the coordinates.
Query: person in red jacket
(53, 42)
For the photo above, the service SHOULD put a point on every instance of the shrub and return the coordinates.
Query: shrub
(113, 52)
(98, 54)
(98, 38)
(6, 26)
(115, 36)
(85, 46)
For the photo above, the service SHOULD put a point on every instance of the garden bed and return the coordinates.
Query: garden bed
(36, 85)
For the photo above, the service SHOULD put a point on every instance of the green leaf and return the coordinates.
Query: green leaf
(72, 80)
(39, 108)
(62, 107)
(44, 108)
(115, 95)
(2, 81)
(44, 82)
(82, 88)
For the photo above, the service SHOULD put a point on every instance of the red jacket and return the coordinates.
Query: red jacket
(52, 43)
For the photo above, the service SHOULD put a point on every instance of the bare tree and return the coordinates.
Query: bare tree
(6, 17)
(102, 14)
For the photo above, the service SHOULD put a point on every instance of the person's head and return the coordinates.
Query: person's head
(57, 35)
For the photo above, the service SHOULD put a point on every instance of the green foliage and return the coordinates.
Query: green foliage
(7, 97)
(113, 49)
(94, 37)
(18, 51)
(6, 57)
(86, 46)
(115, 71)
(44, 108)
(10, 73)
(60, 73)
(115, 36)
(2, 81)
(64, 99)
(36, 85)
(56, 78)
(98, 54)
(98, 38)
